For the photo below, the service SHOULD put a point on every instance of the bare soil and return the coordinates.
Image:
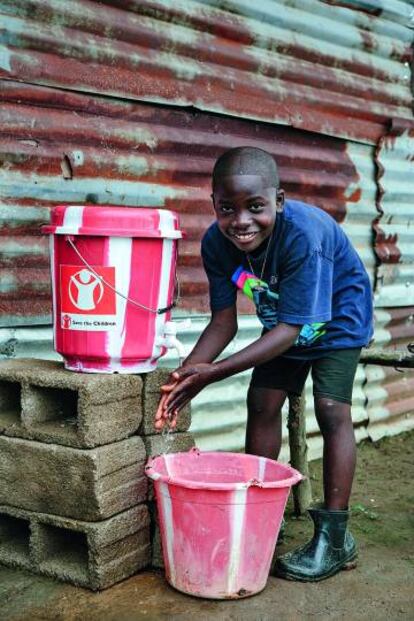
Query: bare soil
(380, 588)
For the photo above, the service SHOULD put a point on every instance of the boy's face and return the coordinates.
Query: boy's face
(246, 209)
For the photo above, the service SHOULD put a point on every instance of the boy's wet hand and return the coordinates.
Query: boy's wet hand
(189, 381)
(161, 416)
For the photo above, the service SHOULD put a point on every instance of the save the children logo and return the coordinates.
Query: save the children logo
(87, 302)
(82, 290)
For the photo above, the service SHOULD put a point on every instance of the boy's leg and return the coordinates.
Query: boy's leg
(339, 451)
(264, 421)
(333, 379)
(332, 547)
(271, 382)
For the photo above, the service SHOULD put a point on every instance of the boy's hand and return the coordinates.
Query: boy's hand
(161, 418)
(186, 384)
(190, 381)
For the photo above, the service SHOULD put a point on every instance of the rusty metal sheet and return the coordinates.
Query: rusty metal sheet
(389, 391)
(394, 227)
(57, 146)
(303, 63)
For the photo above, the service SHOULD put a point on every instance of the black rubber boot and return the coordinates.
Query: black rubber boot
(282, 531)
(331, 549)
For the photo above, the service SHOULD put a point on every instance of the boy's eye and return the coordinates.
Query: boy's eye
(226, 209)
(256, 207)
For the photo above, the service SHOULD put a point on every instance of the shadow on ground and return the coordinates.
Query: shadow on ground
(381, 587)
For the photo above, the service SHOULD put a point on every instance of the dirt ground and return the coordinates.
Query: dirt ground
(381, 587)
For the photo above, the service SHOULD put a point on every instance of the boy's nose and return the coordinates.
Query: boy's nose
(242, 219)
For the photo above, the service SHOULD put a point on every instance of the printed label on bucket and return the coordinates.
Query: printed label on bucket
(87, 304)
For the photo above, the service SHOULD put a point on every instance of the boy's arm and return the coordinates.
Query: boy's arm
(220, 330)
(215, 337)
(194, 377)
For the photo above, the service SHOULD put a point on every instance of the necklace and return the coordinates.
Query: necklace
(264, 260)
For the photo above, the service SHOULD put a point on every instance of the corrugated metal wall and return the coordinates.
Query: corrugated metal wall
(304, 63)
(58, 146)
(129, 103)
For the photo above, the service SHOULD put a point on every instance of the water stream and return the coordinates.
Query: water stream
(166, 438)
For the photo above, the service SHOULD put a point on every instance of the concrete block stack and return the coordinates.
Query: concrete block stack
(73, 494)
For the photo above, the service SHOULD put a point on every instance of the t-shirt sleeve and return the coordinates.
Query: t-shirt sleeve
(223, 292)
(305, 287)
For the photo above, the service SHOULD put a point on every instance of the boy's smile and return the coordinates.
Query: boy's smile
(246, 209)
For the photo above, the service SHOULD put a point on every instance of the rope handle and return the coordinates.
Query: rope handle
(158, 311)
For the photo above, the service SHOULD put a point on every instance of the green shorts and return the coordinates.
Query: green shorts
(332, 374)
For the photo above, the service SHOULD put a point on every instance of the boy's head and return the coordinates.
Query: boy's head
(246, 196)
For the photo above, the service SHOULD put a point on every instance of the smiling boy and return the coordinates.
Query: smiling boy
(313, 298)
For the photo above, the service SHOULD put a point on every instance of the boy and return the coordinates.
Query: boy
(313, 297)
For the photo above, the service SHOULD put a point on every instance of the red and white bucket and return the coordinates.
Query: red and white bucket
(219, 516)
(113, 282)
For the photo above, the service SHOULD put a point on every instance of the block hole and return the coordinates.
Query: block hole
(63, 552)
(53, 408)
(10, 403)
(14, 538)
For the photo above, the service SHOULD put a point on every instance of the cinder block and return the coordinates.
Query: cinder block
(150, 399)
(93, 555)
(168, 443)
(41, 400)
(86, 484)
(157, 559)
(14, 540)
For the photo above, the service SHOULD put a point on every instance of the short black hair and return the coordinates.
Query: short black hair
(246, 161)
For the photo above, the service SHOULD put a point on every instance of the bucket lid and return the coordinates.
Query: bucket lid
(113, 221)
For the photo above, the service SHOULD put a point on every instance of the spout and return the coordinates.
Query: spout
(170, 340)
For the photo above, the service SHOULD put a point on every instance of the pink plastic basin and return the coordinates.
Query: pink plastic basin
(220, 515)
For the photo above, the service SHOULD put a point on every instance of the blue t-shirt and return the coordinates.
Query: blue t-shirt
(313, 277)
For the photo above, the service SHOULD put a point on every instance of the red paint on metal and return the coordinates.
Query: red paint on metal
(355, 197)
(386, 247)
(221, 24)
(400, 126)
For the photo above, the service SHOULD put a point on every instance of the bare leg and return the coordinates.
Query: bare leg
(339, 451)
(264, 423)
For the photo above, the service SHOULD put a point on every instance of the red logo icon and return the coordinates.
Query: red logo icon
(84, 292)
(66, 321)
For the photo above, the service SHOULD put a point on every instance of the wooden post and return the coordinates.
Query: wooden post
(302, 493)
(389, 358)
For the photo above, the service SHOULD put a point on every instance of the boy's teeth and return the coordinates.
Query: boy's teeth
(243, 235)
